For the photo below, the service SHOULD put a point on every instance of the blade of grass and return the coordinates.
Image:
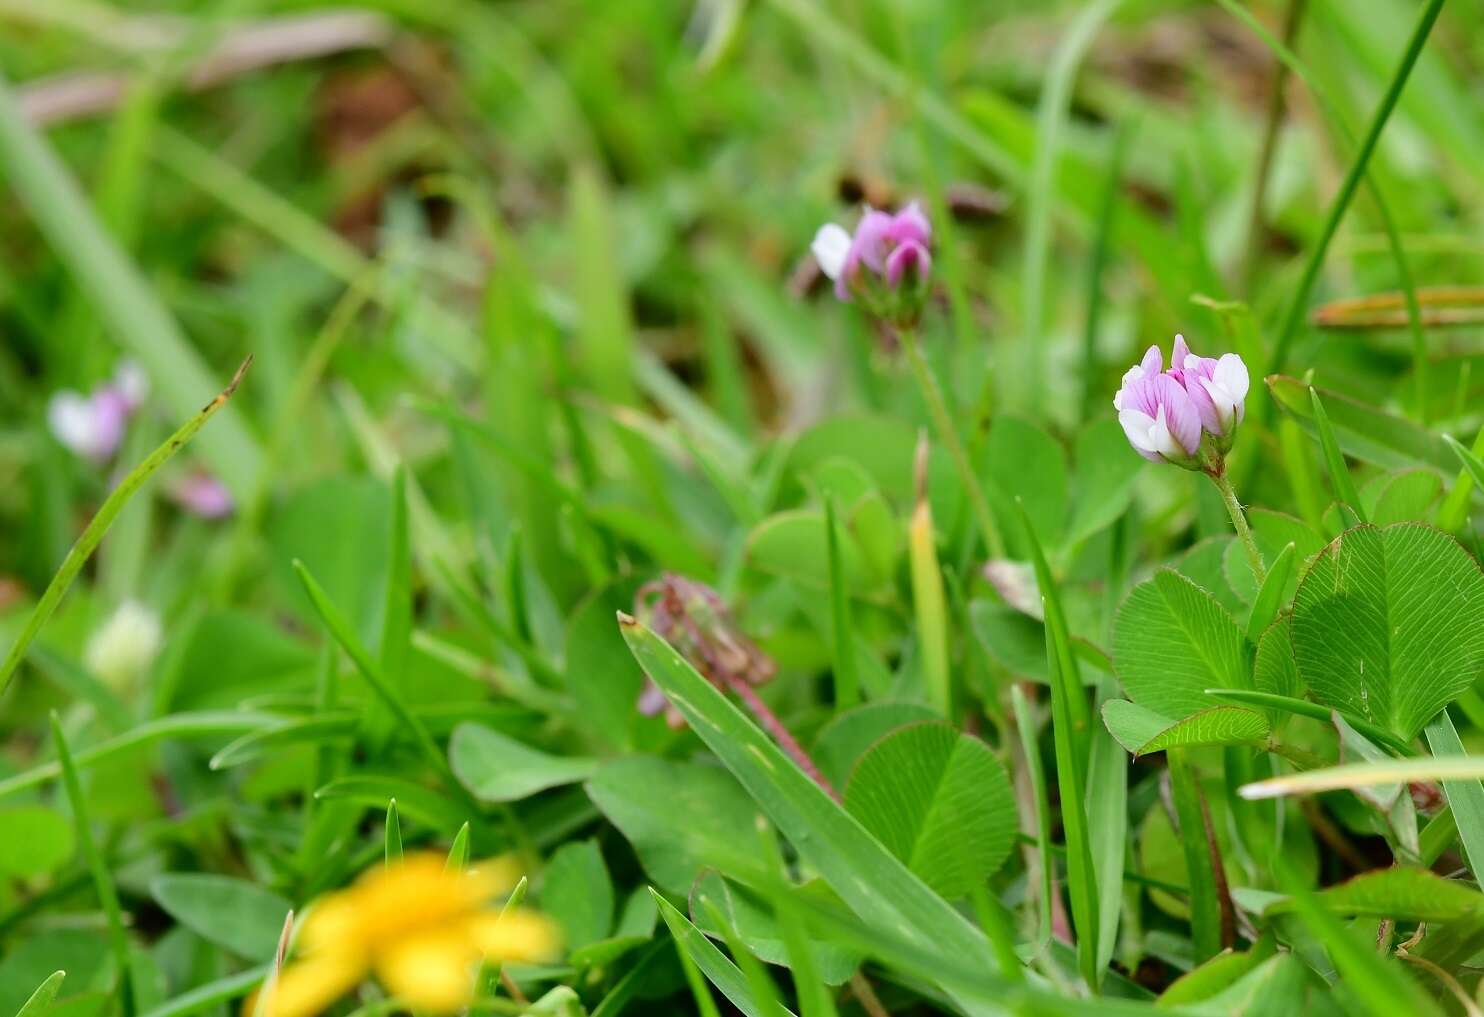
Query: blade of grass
(1102, 239)
(1354, 775)
(1079, 711)
(1305, 708)
(1030, 748)
(102, 879)
(764, 991)
(1298, 468)
(1070, 779)
(458, 852)
(1051, 114)
(392, 837)
(1270, 597)
(842, 629)
(1465, 797)
(78, 556)
(832, 842)
(342, 633)
(1453, 513)
(1339, 473)
(1205, 910)
(396, 619)
(1107, 820)
(721, 972)
(929, 607)
(1294, 316)
(809, 989)
(1372, 980)
(212, 994)
(134, 313)
(40, 1001)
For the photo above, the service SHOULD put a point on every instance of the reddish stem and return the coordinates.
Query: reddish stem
(774, 727)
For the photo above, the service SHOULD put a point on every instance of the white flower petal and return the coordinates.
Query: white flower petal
(72, 421)
(1138, 428)
(831, 246)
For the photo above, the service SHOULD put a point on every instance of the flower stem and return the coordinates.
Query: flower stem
(1239, 523)
(781, 734)
(932, 394)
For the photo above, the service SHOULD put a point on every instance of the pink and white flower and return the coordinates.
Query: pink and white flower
(93, 425)
(1165, 413)
(1158, 416)
(891, 247)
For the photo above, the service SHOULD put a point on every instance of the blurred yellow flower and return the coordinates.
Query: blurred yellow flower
(420, 927)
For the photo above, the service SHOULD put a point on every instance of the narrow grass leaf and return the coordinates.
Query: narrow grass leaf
(1465, 797)
(103, 883)
(86, 544)
(842, 630)
(720, 971)
(392, 834)
(40, 1001)
(1339, 473)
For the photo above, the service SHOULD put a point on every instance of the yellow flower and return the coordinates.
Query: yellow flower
(421, 928)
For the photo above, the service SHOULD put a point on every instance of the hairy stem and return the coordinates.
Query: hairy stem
(1239, 523)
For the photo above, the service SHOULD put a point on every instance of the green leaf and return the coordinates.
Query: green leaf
(1019, 460)
(1016, 641)
(1142, 731)
(577, 892)
(321, 730)
(37, 840)
(1388, 625)
(239, 916)
(1364, 431)
(679, 817)
(1103, 479)
(845, 739)
(40, 1001)
(497, 768)
(1401, 893)
(1172, 641)
(719, 971)
(795, 545)
(867, 877)
(1213, 976)
(1107, 820)
(938, 800)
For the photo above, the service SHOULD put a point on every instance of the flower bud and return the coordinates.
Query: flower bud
(886, 262)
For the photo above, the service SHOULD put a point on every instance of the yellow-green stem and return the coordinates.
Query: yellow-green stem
(1239, 523)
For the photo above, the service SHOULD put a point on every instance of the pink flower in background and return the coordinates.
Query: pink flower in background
(93, 425)
(889, 246)
(1158, 416)
(1217, 386)
(203, 495)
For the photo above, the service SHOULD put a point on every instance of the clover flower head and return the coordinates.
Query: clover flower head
(124, 646)
(1187, 415)
(886, 261)
(92, 425)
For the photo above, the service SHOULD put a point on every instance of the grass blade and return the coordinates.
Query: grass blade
(1270, 597)
(1031, 750)
(1305, 708)
(1354, 775)
(930, 609)
(1205, 908)
(1051, 114)
(721, 972)
(393, 834)
(1070, 780)
(870, 879)
(1465, 797)
(141, 322)
(86, 544)
(1339, 473)
(842, 630)
(1295, 313)
(102, 879)
(40, 1001)
(341, 631)
(458, 852)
